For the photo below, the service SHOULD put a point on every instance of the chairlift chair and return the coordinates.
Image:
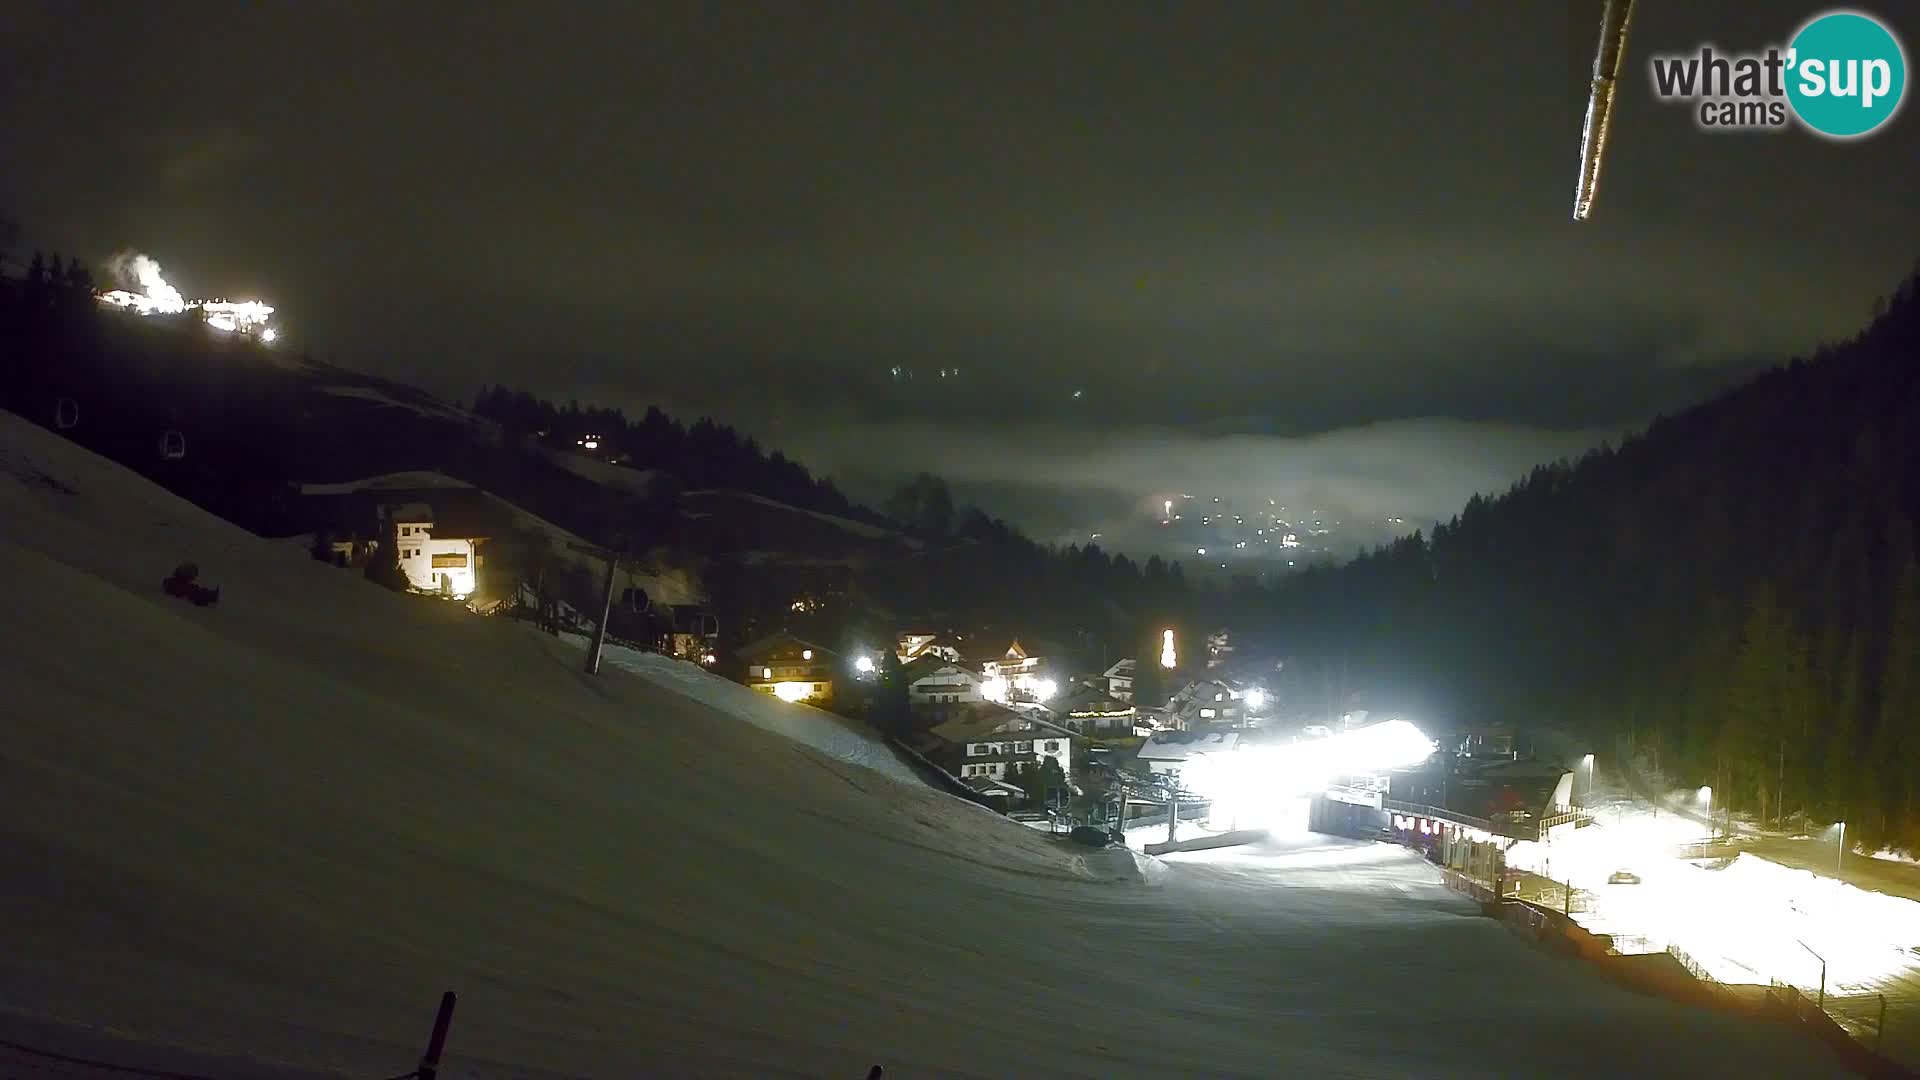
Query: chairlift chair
(173, 445)
(634, 600)
(66, 413)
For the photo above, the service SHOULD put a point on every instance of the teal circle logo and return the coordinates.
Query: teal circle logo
(1846, 74)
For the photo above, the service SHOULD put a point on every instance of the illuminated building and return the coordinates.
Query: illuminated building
(916, 644)
(791, 669)
(1091, 711)
(442, 558)
(438, 526)
(1016, 676)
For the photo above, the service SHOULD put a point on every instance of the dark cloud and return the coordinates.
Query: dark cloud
(1278, 223)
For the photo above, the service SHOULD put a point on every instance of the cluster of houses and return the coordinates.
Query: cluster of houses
(987, 714)
(986, 710)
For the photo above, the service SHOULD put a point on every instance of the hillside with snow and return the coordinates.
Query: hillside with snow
(665, 585)
(266, 834)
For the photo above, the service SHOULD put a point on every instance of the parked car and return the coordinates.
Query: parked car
(1623, 877)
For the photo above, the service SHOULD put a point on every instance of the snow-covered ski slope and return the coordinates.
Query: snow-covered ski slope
(272, 831)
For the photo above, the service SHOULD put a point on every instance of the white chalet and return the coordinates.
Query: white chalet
(948, 684)
(1119, 680)
(993, 741)
(1015, 676)
(445, 560)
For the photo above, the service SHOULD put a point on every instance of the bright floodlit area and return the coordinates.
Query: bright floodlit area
(262, 841)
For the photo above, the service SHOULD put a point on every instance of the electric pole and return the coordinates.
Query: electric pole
(613, 560)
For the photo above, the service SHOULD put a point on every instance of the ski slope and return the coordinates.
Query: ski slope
(267, 834)
(830, 734)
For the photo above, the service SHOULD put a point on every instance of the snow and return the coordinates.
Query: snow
(833, 735)
(1743, 918)
(368, 393)
(606, 474)
(273, 831)
(857, 528)
(662, 586)
(400, 481)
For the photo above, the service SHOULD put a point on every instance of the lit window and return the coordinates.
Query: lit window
(766, 673)
(1219, 697)
(806, 654)
(1206, 714)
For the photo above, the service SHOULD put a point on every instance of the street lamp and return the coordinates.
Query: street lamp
(1586, 796)
(1840, 857)
(1706, 796)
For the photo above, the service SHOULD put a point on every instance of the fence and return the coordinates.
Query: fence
(1469, 886)
(1862, 1016)
(1695, 969)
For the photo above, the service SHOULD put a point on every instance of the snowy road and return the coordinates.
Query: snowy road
(273, 831)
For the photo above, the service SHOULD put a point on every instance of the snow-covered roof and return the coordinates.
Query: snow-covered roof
(1180, 745)
(981, 721)
(1089, 700)
(940, 669)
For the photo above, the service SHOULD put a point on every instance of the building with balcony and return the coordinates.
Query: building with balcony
(990, 740)
(944, 684)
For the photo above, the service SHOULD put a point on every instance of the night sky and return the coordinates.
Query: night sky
(1314, 251)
